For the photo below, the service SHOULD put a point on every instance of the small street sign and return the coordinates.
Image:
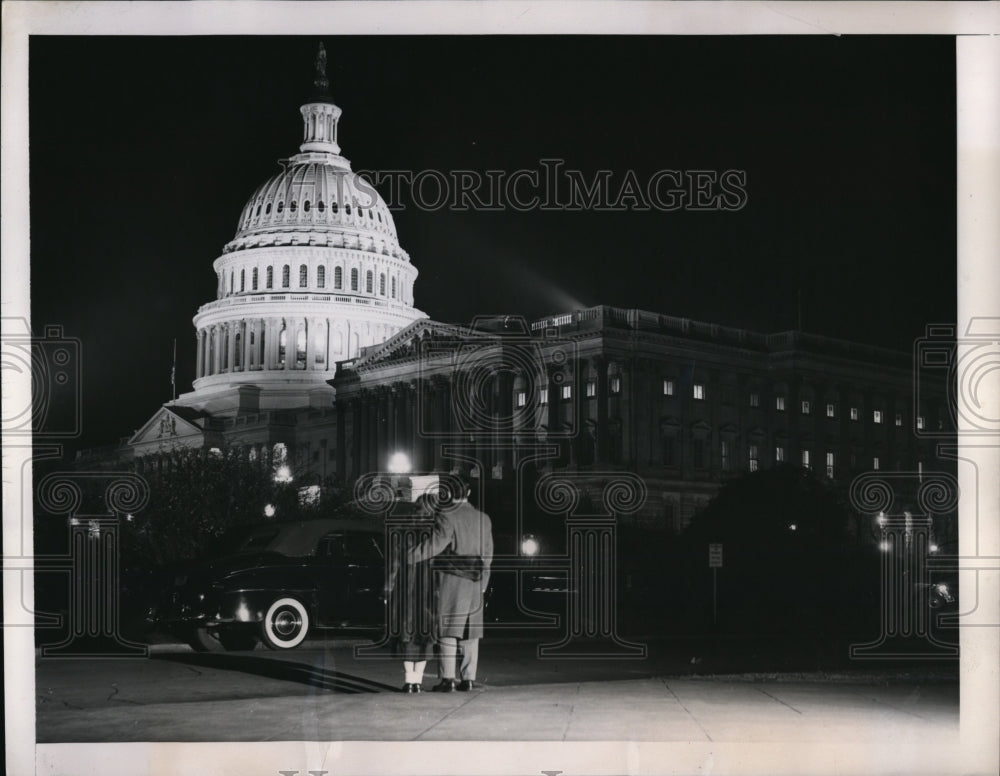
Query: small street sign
(715, 556)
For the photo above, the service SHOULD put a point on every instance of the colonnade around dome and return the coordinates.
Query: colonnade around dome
(287, 344)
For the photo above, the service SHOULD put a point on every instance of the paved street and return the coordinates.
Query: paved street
(324, 693)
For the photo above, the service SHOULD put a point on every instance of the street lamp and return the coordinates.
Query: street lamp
(269, 510)
(399, 463)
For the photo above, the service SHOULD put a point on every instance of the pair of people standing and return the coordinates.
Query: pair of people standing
(439, 586)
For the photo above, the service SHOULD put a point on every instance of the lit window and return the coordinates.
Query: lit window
(591, 389)
(243, 280)
(920, 421)
(779, 454)
(303, 276)
(854, 413)
(805, 407)
(615, 385)
(668, 387)
(338, 277)
(805, 458)
(724, 452)
(753, 458)
(830, 411)
(543, 396)
(877, 416)
(521, 398)
(779, 403)
(321, 277)
(270, 277)
(394, 288)
(285, 276)
(698, 391)
(368, 281)
(381, 284)
(875, 463)
(899, 419)
(354, 279)
(829, 465)
(254, 280)
(567, 392)
(754, 399)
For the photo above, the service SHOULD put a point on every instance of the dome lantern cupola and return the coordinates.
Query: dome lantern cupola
(320, 115)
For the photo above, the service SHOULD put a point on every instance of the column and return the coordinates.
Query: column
(246, 345)
(217, 355)
(231, 349)
(362, 429)
(382, 429)
(410, 437)
(391, 407)
(342, 409)
(307, 324)
(197, 361)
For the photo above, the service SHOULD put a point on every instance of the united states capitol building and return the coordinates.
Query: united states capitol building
(313, 352)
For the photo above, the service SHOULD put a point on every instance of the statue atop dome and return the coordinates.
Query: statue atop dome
(321, 84)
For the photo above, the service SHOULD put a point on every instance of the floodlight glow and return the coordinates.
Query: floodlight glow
(242, 612)
(269, 510)
(399, 463)
(884, 546)
(283, 474)
(933, 548)
(529, 546)
(881, 518)
(793, 527)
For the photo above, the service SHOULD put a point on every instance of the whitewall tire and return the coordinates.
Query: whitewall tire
(285, 624)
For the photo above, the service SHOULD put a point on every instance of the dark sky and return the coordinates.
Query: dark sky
(144, 150)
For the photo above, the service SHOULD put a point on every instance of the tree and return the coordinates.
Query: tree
(790, 560)
(196, 496)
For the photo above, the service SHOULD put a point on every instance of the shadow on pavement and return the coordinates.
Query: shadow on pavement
(289, 671)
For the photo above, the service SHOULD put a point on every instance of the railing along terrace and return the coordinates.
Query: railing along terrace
(249, 299)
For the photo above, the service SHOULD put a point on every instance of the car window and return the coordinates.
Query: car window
(359, 548)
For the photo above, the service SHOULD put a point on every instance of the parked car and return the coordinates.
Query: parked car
(279, 583)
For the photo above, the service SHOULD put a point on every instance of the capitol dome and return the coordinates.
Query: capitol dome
(316, 200)
(314, 273)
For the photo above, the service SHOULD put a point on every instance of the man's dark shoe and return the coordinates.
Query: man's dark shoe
(466, 684)
(411, 688)
(445, 685)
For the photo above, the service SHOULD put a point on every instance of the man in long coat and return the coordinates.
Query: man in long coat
(461, 544)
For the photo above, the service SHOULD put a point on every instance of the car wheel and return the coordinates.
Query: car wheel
(285, 625)
(203, 640)
(237, 640)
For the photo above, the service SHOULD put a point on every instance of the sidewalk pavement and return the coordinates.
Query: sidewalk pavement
(323, 695)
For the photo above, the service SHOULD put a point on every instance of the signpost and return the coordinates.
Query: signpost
(714, 563)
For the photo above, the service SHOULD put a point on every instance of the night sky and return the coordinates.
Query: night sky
(144, 151)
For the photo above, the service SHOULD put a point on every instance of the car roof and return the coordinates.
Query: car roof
(300, 538)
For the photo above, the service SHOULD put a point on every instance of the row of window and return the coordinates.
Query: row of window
(320, 206)
(753, 456)
(338, 280)
(698, 393)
